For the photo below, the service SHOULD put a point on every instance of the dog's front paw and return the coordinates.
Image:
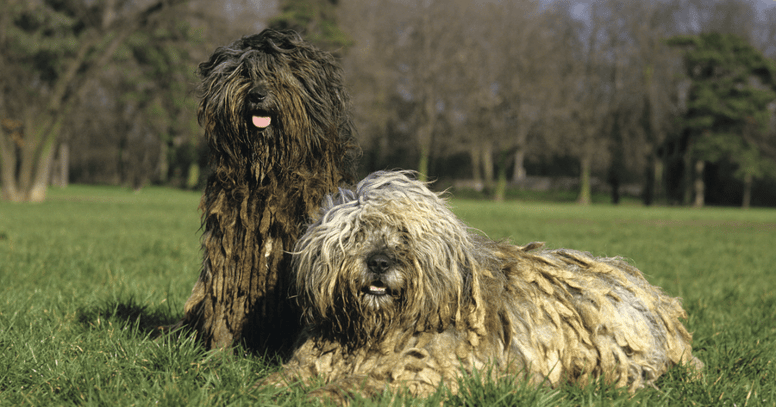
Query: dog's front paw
(329, 394)
(278, 380)
(347, 389)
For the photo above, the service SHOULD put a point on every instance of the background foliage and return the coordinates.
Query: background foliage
(484, 95)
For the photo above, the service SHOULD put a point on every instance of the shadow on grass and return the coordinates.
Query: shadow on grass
(126, 312)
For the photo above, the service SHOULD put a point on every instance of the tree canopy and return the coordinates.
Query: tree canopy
(316, 20)
(728, 107)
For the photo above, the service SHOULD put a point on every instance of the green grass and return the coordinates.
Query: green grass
(87, 275)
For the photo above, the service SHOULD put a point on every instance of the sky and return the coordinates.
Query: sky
(763, 4)
(580, 6)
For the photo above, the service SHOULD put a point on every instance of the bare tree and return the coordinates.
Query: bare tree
(427, 43)
(529, 73)
(646, 90)
(737, 17)
(510, 86)
(473, 96)
(372, 75)
(584, 107)
(474, 67)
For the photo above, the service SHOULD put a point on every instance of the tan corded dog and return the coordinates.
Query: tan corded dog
(397, 291)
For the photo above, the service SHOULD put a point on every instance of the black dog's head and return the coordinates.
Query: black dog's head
(273, 100)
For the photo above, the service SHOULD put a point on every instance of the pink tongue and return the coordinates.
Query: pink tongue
(261, 122)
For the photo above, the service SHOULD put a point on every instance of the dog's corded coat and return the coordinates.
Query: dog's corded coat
(397, 291)
(277, 122)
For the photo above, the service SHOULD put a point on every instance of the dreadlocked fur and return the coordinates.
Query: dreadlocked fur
(397, 291)
(278, 127)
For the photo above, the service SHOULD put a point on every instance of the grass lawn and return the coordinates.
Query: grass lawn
(86, 276)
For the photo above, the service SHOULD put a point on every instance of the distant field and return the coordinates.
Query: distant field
(85, 276)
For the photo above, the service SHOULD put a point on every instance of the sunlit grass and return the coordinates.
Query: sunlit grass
(87, 275)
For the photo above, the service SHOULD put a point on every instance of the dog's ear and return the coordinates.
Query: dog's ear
(473, 308)
(443, 286)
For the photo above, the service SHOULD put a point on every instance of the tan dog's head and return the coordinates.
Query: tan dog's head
(389, 255)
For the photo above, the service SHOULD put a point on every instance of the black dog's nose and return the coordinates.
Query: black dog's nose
(379, 263)
(257, 94)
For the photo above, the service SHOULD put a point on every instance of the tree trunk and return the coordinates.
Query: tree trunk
(61, 167)
(27, 152)
(584, 181)
(687, 182)
(658, 188)
(648, 194)
(747, 200)
(29, 182)
(425, 132)
(423, 164)
(487, 165)
(39, 184)
(501, 184)
(653, 187)
(8, 162)
(476, 156)
(163, 165)
(700, 186)
(192, 178)
(519, 174)
(614, 184)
